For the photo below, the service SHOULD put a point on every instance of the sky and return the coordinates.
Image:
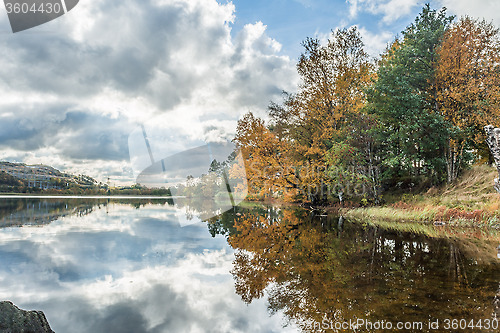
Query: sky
(74, 89)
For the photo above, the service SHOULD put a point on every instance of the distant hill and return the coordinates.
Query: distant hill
(23, 178)
(40, 176)
(40, 169)
(8, 180)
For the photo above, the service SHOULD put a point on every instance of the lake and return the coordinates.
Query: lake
(151, 266)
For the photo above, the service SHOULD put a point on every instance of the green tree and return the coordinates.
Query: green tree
(404, 97)
(353, 163)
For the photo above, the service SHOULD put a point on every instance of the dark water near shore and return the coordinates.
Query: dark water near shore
(148, 266)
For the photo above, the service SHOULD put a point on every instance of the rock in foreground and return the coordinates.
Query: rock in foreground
(15, 320)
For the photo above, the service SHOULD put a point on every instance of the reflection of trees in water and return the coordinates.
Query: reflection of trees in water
(223, 224)
(315, 270)
(16, 212)
(202, 207)
(23, 211)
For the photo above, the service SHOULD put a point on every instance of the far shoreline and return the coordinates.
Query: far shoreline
(71, 196)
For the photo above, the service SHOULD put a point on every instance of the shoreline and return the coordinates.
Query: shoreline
(436, 216)
(71, 196)
(470, 201)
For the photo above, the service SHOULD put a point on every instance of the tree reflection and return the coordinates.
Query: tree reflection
(40, 211)
(319, 270)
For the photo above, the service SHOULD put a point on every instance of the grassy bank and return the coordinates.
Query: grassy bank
(470, 201)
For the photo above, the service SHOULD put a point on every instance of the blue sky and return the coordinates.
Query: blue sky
(73, 90)
(291, 21)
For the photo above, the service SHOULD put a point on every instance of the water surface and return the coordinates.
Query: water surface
(148, 266)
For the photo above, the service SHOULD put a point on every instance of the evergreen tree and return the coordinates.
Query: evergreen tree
(404, 97)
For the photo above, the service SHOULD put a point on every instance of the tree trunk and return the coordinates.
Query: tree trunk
(493, 141)
(453, 157)
(451, 163)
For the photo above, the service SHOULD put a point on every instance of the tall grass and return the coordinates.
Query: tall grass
(470, 201)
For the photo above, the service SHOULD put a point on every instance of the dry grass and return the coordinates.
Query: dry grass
(470, 201)
(474, 190)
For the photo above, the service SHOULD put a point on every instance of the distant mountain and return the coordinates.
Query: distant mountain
(21, 168)
(40, 176)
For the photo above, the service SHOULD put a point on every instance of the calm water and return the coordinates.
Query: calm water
(110, 266)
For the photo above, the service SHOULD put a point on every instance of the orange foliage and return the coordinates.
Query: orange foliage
(468, 85)
(267, 160)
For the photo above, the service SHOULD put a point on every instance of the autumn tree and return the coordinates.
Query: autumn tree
(334, 77)
(288, 155)
(417, 119)
(267, 161)
(468, 87)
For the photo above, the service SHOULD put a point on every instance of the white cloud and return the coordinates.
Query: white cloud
(80, 84)
(394, 9)
(375, 43)
(487, 9)
(353, 8)
(391, 10)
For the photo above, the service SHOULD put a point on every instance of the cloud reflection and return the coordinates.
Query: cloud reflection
(127, 270)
